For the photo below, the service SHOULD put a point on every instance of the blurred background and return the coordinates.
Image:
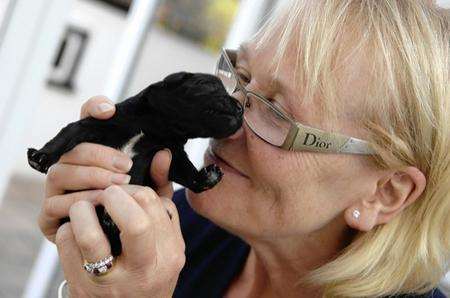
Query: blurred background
(54, 55)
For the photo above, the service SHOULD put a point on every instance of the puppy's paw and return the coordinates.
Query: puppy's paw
(208, 178)
(38, 160)
(213, 174)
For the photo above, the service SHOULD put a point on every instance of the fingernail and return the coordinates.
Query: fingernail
(168, 151)
(122, 163)
(105, 107)
(120, 179)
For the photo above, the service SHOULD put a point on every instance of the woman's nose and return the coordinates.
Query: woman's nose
(239, 108)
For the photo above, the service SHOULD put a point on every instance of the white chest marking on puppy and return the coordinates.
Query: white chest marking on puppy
(128, 147)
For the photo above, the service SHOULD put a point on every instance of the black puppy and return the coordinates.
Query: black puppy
(164, 115)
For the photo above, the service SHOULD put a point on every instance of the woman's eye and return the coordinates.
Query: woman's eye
(244, 79)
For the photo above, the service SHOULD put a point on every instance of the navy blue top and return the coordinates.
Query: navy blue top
(213, 256)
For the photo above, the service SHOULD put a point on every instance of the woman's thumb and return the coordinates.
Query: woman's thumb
(159, 171)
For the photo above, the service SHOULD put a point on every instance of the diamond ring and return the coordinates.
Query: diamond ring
(100, 267)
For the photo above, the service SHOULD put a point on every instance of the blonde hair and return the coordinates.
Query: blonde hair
(405, 112)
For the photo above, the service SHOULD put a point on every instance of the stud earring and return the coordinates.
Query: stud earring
(356, 213)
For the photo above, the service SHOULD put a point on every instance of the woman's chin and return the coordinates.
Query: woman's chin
(225, 197)
(203, 201)
(221, 208)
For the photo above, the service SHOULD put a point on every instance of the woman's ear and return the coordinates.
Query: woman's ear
(394, 192)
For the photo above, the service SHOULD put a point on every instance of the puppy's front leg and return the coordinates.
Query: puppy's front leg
(182, 171)
(113, 132)
(42, 159)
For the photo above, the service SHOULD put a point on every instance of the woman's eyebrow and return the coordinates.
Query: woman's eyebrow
(275, 82)
(278, 84)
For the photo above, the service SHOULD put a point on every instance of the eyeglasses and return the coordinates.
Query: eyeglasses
(275, 126)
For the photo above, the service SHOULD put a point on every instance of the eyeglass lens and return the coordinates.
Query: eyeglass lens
(263, 120)
(225, 74)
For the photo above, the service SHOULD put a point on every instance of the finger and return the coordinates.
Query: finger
(159, 171)
(162, 227)
(69, 253)
(131, 189)
(136, 229)
(62, 177)
(99, 107)
(89, 235)
(152, 204)
(90, 154)
(144, 197)
(57, 207)
(171, 208)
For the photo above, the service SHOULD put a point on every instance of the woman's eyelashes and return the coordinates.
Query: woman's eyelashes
(244, 76)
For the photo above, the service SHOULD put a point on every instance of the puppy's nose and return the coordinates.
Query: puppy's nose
(239, 108)
(237, 134)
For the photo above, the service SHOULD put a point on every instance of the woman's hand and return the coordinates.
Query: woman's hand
(89, 168)
(153, 247)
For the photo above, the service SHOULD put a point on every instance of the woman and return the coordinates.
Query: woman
(366, 219)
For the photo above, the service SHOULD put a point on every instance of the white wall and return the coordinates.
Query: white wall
(26, 48)
(56, 107)
(443, 3)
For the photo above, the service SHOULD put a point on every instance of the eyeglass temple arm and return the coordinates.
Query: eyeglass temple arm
(301, 137)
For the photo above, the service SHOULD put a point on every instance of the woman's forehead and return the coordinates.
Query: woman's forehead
(260, 59)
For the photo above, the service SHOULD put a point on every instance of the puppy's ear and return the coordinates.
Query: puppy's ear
(176, 79)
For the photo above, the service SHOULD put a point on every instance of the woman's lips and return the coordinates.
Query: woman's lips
(222, 163)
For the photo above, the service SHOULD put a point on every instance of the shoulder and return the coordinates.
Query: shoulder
(436, 293)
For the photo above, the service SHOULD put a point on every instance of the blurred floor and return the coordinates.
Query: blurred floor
(20, 237)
